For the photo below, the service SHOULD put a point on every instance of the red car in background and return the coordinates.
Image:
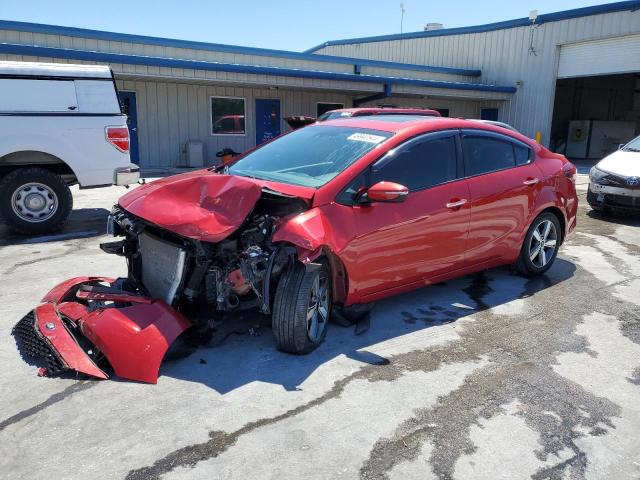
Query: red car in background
(330, 216)
(368, 111)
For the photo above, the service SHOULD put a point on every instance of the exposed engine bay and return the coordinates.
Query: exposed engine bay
(236, 273)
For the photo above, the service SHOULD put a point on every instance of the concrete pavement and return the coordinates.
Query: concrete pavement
(488, 376)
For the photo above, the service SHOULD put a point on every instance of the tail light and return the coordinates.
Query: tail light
(118, 137)
(570, 172)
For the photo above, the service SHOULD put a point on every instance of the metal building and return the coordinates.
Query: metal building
(187, 100)
(577, 72)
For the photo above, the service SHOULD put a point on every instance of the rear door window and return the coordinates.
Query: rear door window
(485, 154)
(419, 164)
(523, 154)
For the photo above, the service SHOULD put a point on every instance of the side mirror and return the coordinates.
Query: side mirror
(621, 145)
(387, 192)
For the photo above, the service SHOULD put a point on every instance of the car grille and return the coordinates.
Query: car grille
(619, 181)
(162, 264)
(33, 348)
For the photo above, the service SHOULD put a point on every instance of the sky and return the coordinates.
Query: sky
(283, 24)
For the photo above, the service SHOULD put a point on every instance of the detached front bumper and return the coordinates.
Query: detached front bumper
(126, 175)
(86, 324)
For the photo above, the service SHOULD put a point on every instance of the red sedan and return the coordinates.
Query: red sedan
(331, 216)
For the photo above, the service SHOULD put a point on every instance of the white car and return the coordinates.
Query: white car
(614, 183)
(60, 125)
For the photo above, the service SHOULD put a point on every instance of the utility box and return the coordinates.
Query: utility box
(194, 154)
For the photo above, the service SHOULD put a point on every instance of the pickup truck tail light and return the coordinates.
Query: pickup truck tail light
(118, 137)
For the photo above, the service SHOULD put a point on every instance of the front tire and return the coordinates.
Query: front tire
(34, 200)
(302, 308)
(540, 246)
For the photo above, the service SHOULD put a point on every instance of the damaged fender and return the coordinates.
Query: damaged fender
(133, 332)
(312, 234)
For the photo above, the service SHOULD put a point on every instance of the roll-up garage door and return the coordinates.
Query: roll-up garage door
(600, 57)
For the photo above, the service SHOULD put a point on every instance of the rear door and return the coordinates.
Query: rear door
(398, 244)
(503, 184)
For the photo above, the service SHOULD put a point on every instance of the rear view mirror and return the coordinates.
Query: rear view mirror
(387, 192)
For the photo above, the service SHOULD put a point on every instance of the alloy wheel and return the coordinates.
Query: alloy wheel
(318, 307)
(544, 242)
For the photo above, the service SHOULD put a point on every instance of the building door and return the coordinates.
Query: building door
(128, 107)
(489, 114)
(267, 119)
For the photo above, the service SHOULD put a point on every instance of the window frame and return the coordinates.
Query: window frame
(244, 103)
(368, 170)
(470, 132)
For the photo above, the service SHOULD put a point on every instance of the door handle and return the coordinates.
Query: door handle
(530, 181)
(457, 203)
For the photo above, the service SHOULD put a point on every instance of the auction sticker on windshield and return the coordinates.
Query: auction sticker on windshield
(366, 137)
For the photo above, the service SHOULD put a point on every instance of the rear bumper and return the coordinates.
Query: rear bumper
(74, 330)
(126, 175)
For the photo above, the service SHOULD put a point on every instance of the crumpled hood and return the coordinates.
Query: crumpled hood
(626, 164)
(200, 205)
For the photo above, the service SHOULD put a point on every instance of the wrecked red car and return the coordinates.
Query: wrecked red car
(320, 221)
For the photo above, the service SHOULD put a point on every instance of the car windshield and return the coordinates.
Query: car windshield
(309, 157)
(633, 145)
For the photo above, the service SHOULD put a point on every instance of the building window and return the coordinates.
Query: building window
(324, 107)
(227, 116)
(444, 112)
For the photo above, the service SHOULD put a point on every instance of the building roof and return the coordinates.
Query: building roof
(104, 57)
(218, 47)
(518, 22)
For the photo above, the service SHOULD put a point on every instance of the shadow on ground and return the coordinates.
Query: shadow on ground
(244, 351)
(631, 219)
(82, 223)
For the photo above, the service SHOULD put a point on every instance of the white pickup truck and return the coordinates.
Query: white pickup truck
(60, 125)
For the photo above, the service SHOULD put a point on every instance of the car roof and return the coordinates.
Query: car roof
(494, 122)
(418, 124)
(360, 111)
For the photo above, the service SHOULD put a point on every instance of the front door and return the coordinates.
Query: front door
(267, 119)
(398, 244)
(128, 107)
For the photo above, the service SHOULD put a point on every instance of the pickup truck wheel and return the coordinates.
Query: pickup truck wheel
(302, 308)
(34, 200)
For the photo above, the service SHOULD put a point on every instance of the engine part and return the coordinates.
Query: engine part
(162, 266)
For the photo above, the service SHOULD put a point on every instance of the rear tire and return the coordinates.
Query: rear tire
(302, 308)
(34, 200)
(540, 246)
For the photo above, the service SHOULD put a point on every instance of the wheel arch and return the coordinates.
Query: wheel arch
(38, 158)
(560, 216)
(339, 276)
